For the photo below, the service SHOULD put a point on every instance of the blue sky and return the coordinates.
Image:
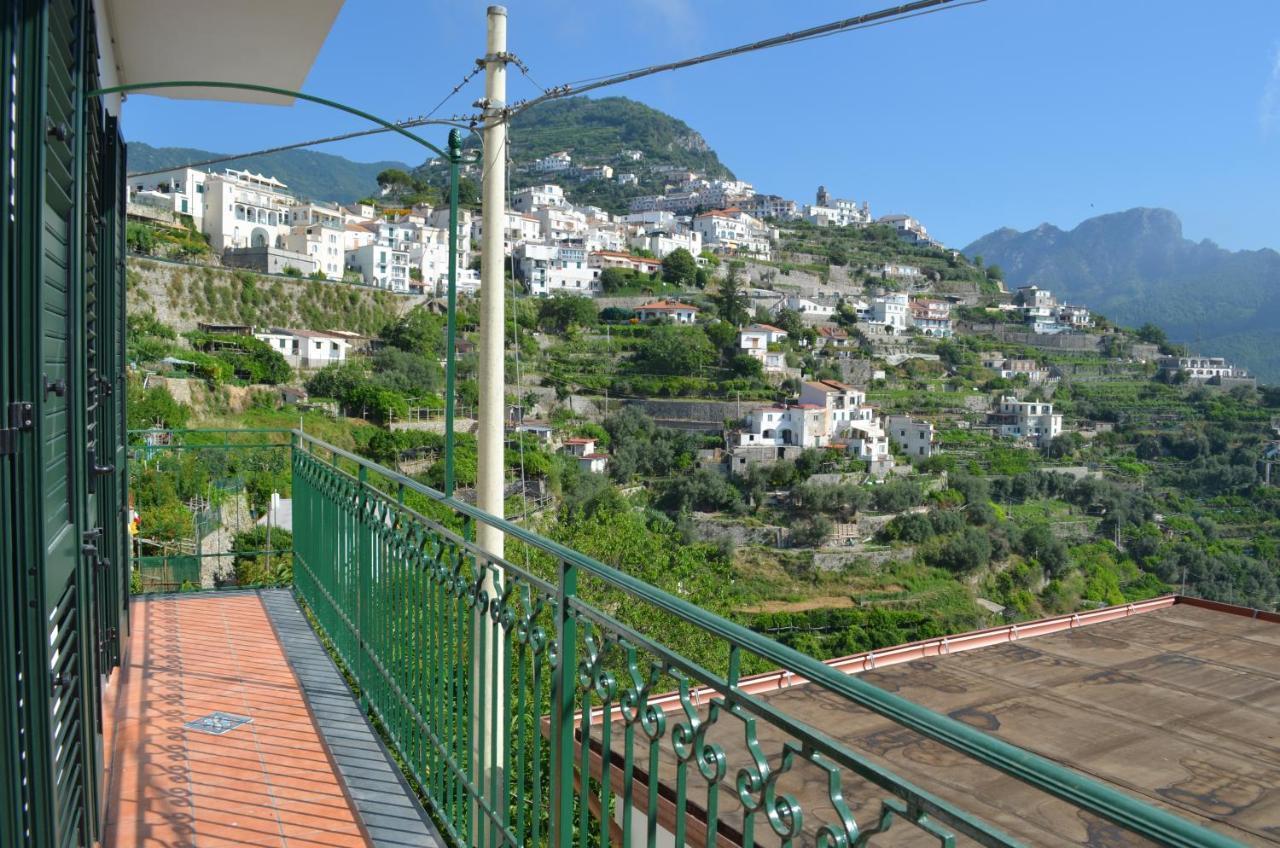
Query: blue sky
(1007, 113)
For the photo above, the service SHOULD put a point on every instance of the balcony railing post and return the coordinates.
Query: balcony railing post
(563, 686)
(364, 582)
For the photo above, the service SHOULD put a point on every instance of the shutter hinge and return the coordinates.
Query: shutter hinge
(21, 420)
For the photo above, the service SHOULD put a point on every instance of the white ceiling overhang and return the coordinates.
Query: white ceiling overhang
(267, 42)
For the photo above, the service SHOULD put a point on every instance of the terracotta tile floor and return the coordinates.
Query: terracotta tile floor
(267, 783)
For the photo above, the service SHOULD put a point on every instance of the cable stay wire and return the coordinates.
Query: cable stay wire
(894, 14)
(465, 122)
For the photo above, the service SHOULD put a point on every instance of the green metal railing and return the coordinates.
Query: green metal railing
(568, 658)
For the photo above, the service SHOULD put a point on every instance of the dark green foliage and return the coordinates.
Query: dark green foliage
(250, 359)
(838, 632)
(679, 268)
(703, 490)
(811, 531)
(731, 299)
(964, 552)
(676, 350)
(639, 448)
(263, 557)
(563, 311)
(154, 407)
(895, 495)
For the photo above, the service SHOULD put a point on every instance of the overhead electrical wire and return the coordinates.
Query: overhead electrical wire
(466, 122)
(894, 14)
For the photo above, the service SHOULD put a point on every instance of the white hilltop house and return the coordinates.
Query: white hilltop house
(554, 163)
(307, 348)
(891, 311)
(914, 436)
(548, 269)
(323, 244)
(244, 209)
(535, 197)
(1034, 421)
(676, 313)
(180, 191)
(733, 231)
(829, 414)
(908, 228)
(835, 212)
(755, 341)
(849, 419)
(811, 310)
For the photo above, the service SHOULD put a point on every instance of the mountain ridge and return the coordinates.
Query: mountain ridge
(1137, 266)
(309, 174)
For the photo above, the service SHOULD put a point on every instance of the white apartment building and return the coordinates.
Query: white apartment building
(662, 242)
(1075, 317)
(1034, 296)
(627, 178)
(244, 209)
(733, 231)
(811, 310)
(653, 219)
(848, 419)
(554, 163)
(324, 244)
(180, 191)
(358, 212)
(1034, 421)
(800, 425)
(317, 213)
(548, 269)
(1201, 368)
(892, 311)
(439, 218)
(901, 271)
(931, 317)
(560, 224)
(382, 264)
(610, 237)
(616, 259)
(770, 206)
(307, 348)
(914, 436)
(533, 197)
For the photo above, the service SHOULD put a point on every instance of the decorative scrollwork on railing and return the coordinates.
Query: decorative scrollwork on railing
(896, 808)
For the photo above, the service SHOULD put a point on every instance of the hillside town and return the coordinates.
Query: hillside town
(790, 459)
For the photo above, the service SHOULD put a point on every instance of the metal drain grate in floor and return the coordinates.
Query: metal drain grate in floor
(217, 723)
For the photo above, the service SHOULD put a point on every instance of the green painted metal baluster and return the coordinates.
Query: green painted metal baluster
(584, 766)
(476, 715)
(364, 557)
(633, 700)
(606, 731)
(494, 637)
(522, 706)
(563, 686)
(503, 799)
(654, 730)
(683, 736)
(535, 812)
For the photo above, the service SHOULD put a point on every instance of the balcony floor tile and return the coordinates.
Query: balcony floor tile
(270, 782)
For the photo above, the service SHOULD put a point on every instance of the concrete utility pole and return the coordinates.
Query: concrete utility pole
(487, 672)
(489, 472)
